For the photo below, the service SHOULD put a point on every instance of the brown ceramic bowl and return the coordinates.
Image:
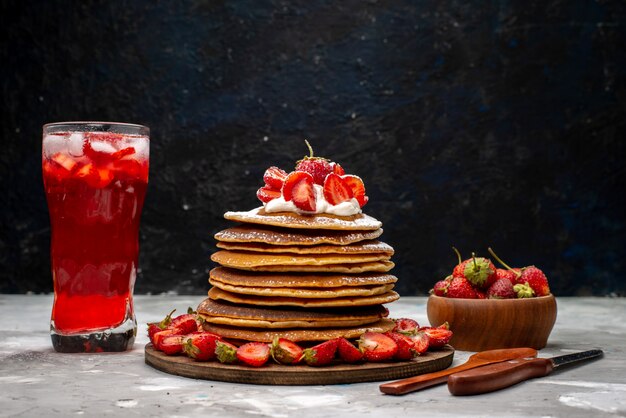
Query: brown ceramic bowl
(486, 324)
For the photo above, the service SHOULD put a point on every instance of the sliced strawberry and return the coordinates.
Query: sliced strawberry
(98, 150)
(129, 170)
(160, 335)
(225, 352)
(405, 346)
(185, 324)
(172, 344)
(285, 351)
(322, 354)
(298, 188)
(337, 169)
(421, 342)
(406, 325)
(336, 190)
(348, 352)
(377, 346)
(358, 188)
(123, 153)
(254, 354)
(266, 194)
(95, 177)
(200, 346)
(438, 337)
(274, 177)
(155, 327)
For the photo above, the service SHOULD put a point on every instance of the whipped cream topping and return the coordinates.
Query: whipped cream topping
(347, 208)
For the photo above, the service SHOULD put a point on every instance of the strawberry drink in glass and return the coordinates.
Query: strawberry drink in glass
(95, 176)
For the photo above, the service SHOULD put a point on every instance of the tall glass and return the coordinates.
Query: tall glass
(95, 176)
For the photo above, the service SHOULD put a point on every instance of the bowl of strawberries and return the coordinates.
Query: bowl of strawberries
(490, 308)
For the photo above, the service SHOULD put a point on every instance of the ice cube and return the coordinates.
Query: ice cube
(75, 144)
(142, 147)
(54, 143)
(100, 146)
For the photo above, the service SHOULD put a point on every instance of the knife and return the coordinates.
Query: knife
(501, 375)
(412, 384)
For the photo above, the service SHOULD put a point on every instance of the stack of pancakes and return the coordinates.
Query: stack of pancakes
(302, 277)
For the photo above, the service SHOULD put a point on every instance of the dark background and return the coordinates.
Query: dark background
(472, 123)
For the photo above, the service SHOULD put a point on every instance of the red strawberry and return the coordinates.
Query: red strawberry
(405, 325)
(317, 167)
(501, 289)
(200, 346)
(265, 194)
(377, 346)
(441, 287)
(172, 344)
(155, 327)
(187, 323)
(225, 352)
(348, 352)
(159, 336)
(536, 279)
(439, 336)
(254, 354)
(298, 188)
(506, 274)
(479, 271)
(481, 295)
(421, 342)
(336, 189)
(274, 177)
(284, 351)
(460, 288)
(405, 346)
(530, 275)
(321, 354)
(358, 188)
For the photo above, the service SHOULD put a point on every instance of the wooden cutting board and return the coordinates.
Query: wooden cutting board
(275, 374)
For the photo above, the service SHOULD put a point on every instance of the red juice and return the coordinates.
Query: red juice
(95, 184)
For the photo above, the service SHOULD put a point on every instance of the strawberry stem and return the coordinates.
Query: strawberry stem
(518, 274)
(310, 148)
(476, 268)
(458, 254)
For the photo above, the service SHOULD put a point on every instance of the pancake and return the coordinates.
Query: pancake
(249, 259)
(248, 233)
(359, 222)
(298, 335)
(224, 313)
(365, 247)
(305, 292)
(219, 294)
(292, 280)
(377, 266)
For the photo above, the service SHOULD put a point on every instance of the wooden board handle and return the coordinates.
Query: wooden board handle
(498, 376)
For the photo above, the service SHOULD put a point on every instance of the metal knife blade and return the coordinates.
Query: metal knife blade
(564, 360)
(501, 375)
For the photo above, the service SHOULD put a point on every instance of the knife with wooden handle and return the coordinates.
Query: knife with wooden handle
(415, 383)
(501, 375)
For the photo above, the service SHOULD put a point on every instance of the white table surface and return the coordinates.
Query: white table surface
(35, 381)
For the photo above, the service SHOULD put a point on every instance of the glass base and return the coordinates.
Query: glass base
(116, 339)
